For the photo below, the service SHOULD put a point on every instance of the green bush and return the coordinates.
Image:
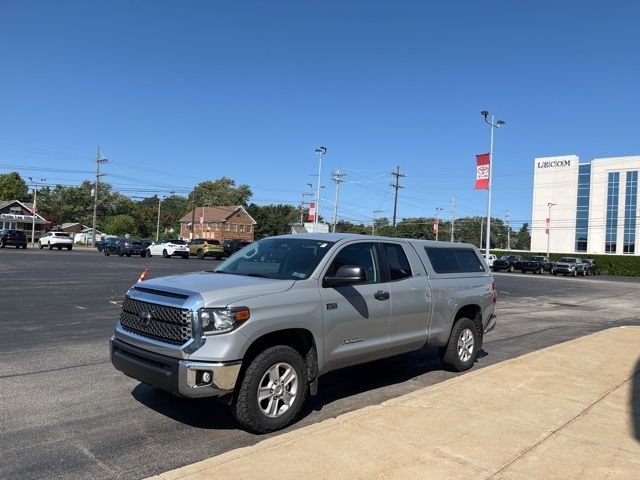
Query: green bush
(616, 265)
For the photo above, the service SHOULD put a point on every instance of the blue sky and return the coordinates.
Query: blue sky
(180, 92)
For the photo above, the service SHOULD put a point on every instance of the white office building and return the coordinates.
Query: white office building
(585, 207)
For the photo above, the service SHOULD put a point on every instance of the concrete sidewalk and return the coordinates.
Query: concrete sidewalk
(571, 411)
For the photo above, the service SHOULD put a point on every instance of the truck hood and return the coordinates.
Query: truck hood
(218, 289)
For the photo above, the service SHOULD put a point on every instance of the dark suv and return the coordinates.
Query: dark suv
(232, 246)
(15, 238)
(536, 264)
(125, 246)
(506, 262)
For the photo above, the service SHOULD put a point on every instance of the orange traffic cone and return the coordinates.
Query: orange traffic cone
(143, 275)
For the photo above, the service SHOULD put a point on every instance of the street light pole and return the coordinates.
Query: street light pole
(492, 124)
(549, 205)
(33, 212)
(320, 151)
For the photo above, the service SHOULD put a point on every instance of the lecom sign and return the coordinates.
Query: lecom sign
(554, 164)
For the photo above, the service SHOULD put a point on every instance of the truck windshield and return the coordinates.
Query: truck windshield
(278, 258)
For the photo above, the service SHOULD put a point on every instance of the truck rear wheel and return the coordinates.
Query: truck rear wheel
(272, 390)
(200, 254)
(462, 349)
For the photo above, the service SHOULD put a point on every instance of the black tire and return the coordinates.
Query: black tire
(40, 245)
(450, 356)
(120, 252)
(185, 256)
(50, 247)
(165, 254)
(128, 254)
(218, 257)
(523, 271)
(59, 248)
(106, 253)
(510, 270)
(584, 273)
(541, 271)
(575, 273)
(2, 244)
(148, 253)
(200, 254)
(245, 405)
(143, 254)
(69, 247)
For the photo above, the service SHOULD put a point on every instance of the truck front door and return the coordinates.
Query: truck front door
(356, 317)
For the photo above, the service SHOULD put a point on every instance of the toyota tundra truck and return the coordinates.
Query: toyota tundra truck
(264, 325)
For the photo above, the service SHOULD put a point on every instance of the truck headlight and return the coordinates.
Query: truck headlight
(222, 320)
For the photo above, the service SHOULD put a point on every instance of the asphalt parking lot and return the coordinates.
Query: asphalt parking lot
(66, 413)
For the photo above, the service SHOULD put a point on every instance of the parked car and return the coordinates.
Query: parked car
(111, 245)
(101, 244)
(591, 266)
(206, 247)
(132, 247)
(535, 264)
(169, 248)
(57, 240)
(263, 326)
(232, 246)
(506, 262)
(569, 266)
(13, 238)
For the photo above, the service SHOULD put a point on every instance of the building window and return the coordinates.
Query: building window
(630, 205)
(227, 227)
(241, 228)
(582, 212)
(611, 232)
(249, 227)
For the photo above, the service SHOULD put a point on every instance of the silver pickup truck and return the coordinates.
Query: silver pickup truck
(261, 328)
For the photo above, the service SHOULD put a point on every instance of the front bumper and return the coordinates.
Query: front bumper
(180, 377)
(564, 270)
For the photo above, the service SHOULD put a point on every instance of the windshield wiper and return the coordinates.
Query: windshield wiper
(259, 275)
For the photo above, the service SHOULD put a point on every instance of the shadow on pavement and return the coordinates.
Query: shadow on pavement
(379, 374)
(635, 402)
(207, 413)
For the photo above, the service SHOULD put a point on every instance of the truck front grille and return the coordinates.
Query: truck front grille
(169, 324)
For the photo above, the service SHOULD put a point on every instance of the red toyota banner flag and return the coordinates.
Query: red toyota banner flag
(435, 227)
(312, 212)
(482, 171)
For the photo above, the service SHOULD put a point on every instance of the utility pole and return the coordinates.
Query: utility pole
(508, 232)
(99, 160)
(33, 212)
(336, 177)
(453, 216)
(481, 230)
(549, 205)
(158, 223)
(397, 186)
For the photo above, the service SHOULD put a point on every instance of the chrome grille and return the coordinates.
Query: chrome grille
(169, 324)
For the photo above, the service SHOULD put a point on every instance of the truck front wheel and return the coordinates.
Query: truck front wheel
(462, 349)
(272, 391)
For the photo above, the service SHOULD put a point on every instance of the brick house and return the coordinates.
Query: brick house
(220, 223)
(16, 215)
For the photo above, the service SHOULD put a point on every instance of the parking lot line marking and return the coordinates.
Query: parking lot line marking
(81, 308)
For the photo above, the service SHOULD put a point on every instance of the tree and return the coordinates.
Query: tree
(273, 219)
(120, 225)
(522, 238)
(221, 192)
(13, 187)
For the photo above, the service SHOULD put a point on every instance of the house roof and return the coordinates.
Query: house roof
(26, 205)
(70, 224)
(215, 214)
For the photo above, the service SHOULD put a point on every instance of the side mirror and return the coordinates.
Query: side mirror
(346, 275)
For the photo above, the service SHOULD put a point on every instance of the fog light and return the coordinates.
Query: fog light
(206, 377)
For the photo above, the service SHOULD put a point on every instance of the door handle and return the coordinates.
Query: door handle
(381, 295)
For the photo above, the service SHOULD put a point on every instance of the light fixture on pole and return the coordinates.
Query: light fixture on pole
(320, 151)
(33, 209)
(549, 205)
(437, 224)
(492, 125)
